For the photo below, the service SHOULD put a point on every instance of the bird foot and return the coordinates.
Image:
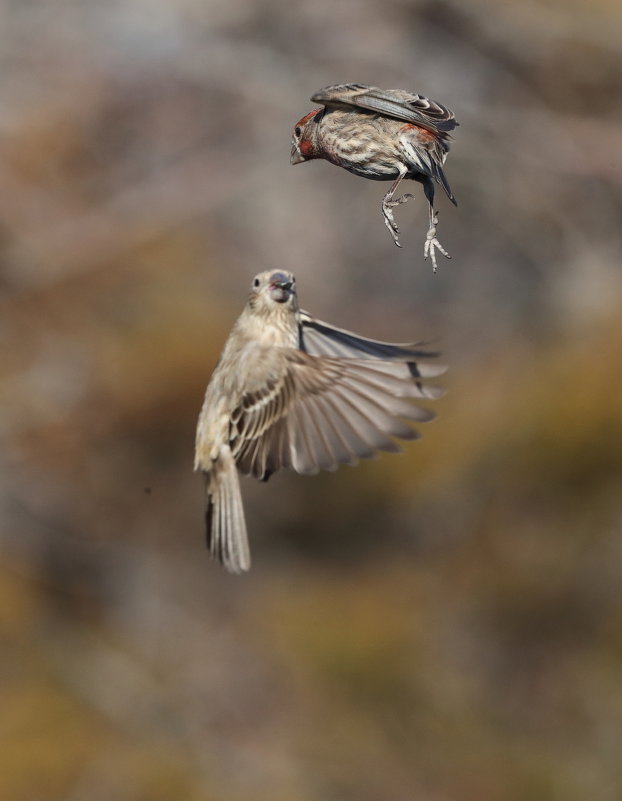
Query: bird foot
(387, 211)
(431, 243)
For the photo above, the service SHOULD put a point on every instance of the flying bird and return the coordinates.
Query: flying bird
(293, 392)
(385, 135)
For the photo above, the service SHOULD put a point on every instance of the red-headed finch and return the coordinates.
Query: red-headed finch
(293, 392)
(385, 135)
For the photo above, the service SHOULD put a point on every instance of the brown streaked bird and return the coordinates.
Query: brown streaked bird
(385, 135)
(293, 392)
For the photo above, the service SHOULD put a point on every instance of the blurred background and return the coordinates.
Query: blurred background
(443, 625)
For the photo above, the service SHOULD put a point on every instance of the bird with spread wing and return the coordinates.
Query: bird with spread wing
(293, 392)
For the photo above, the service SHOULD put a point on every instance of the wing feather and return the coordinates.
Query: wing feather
(368, 425)
(325, 411)
(326, 437)
(346, 444)
(322, 339)
(396, 103)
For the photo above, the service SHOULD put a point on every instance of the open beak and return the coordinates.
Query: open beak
(280, 291)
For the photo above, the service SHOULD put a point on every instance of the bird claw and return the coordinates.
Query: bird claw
(403, 199)
(391, 225)
(387, 211)
(431, 243)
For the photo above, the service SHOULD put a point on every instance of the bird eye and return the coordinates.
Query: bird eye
(256, 282)
(297, 130)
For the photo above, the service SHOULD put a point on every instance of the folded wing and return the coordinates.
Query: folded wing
(396, 103)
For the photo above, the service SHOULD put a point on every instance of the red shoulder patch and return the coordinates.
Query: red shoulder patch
(422, 134)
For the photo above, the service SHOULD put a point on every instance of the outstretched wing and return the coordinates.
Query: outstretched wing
(326, 411)
(396, 103)
(321, 339)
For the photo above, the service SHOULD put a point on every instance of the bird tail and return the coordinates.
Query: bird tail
(227, 538)
(440, 176)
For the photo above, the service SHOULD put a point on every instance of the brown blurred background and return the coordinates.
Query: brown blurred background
(443, 625)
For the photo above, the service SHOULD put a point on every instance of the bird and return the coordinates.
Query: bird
(384, 135)
(293, 392)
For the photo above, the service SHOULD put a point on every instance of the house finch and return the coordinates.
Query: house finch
(385, 135)
(293, 392)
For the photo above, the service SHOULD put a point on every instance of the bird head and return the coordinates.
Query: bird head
(278, 287)
(304, 137)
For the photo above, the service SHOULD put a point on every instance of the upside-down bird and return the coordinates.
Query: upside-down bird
(293, 392)
(385, 135)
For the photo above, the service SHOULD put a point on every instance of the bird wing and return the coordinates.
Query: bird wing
(322, 339)
(258, 427)
(325, 411)
(395, 103)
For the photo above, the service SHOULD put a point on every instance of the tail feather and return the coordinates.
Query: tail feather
(439, 174)
(227, 538)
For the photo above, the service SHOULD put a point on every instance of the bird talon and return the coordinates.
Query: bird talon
(403, 199)
(389, 220)
(391, 225)
(389, 203)
(430, 246)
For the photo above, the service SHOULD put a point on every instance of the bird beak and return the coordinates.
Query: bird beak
(285, 285)
(280, 291)
(296, 156)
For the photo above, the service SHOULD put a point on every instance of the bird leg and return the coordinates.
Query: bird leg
(388, 205)
(431, 242)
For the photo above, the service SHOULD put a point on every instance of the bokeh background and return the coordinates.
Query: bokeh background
(443, 625)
